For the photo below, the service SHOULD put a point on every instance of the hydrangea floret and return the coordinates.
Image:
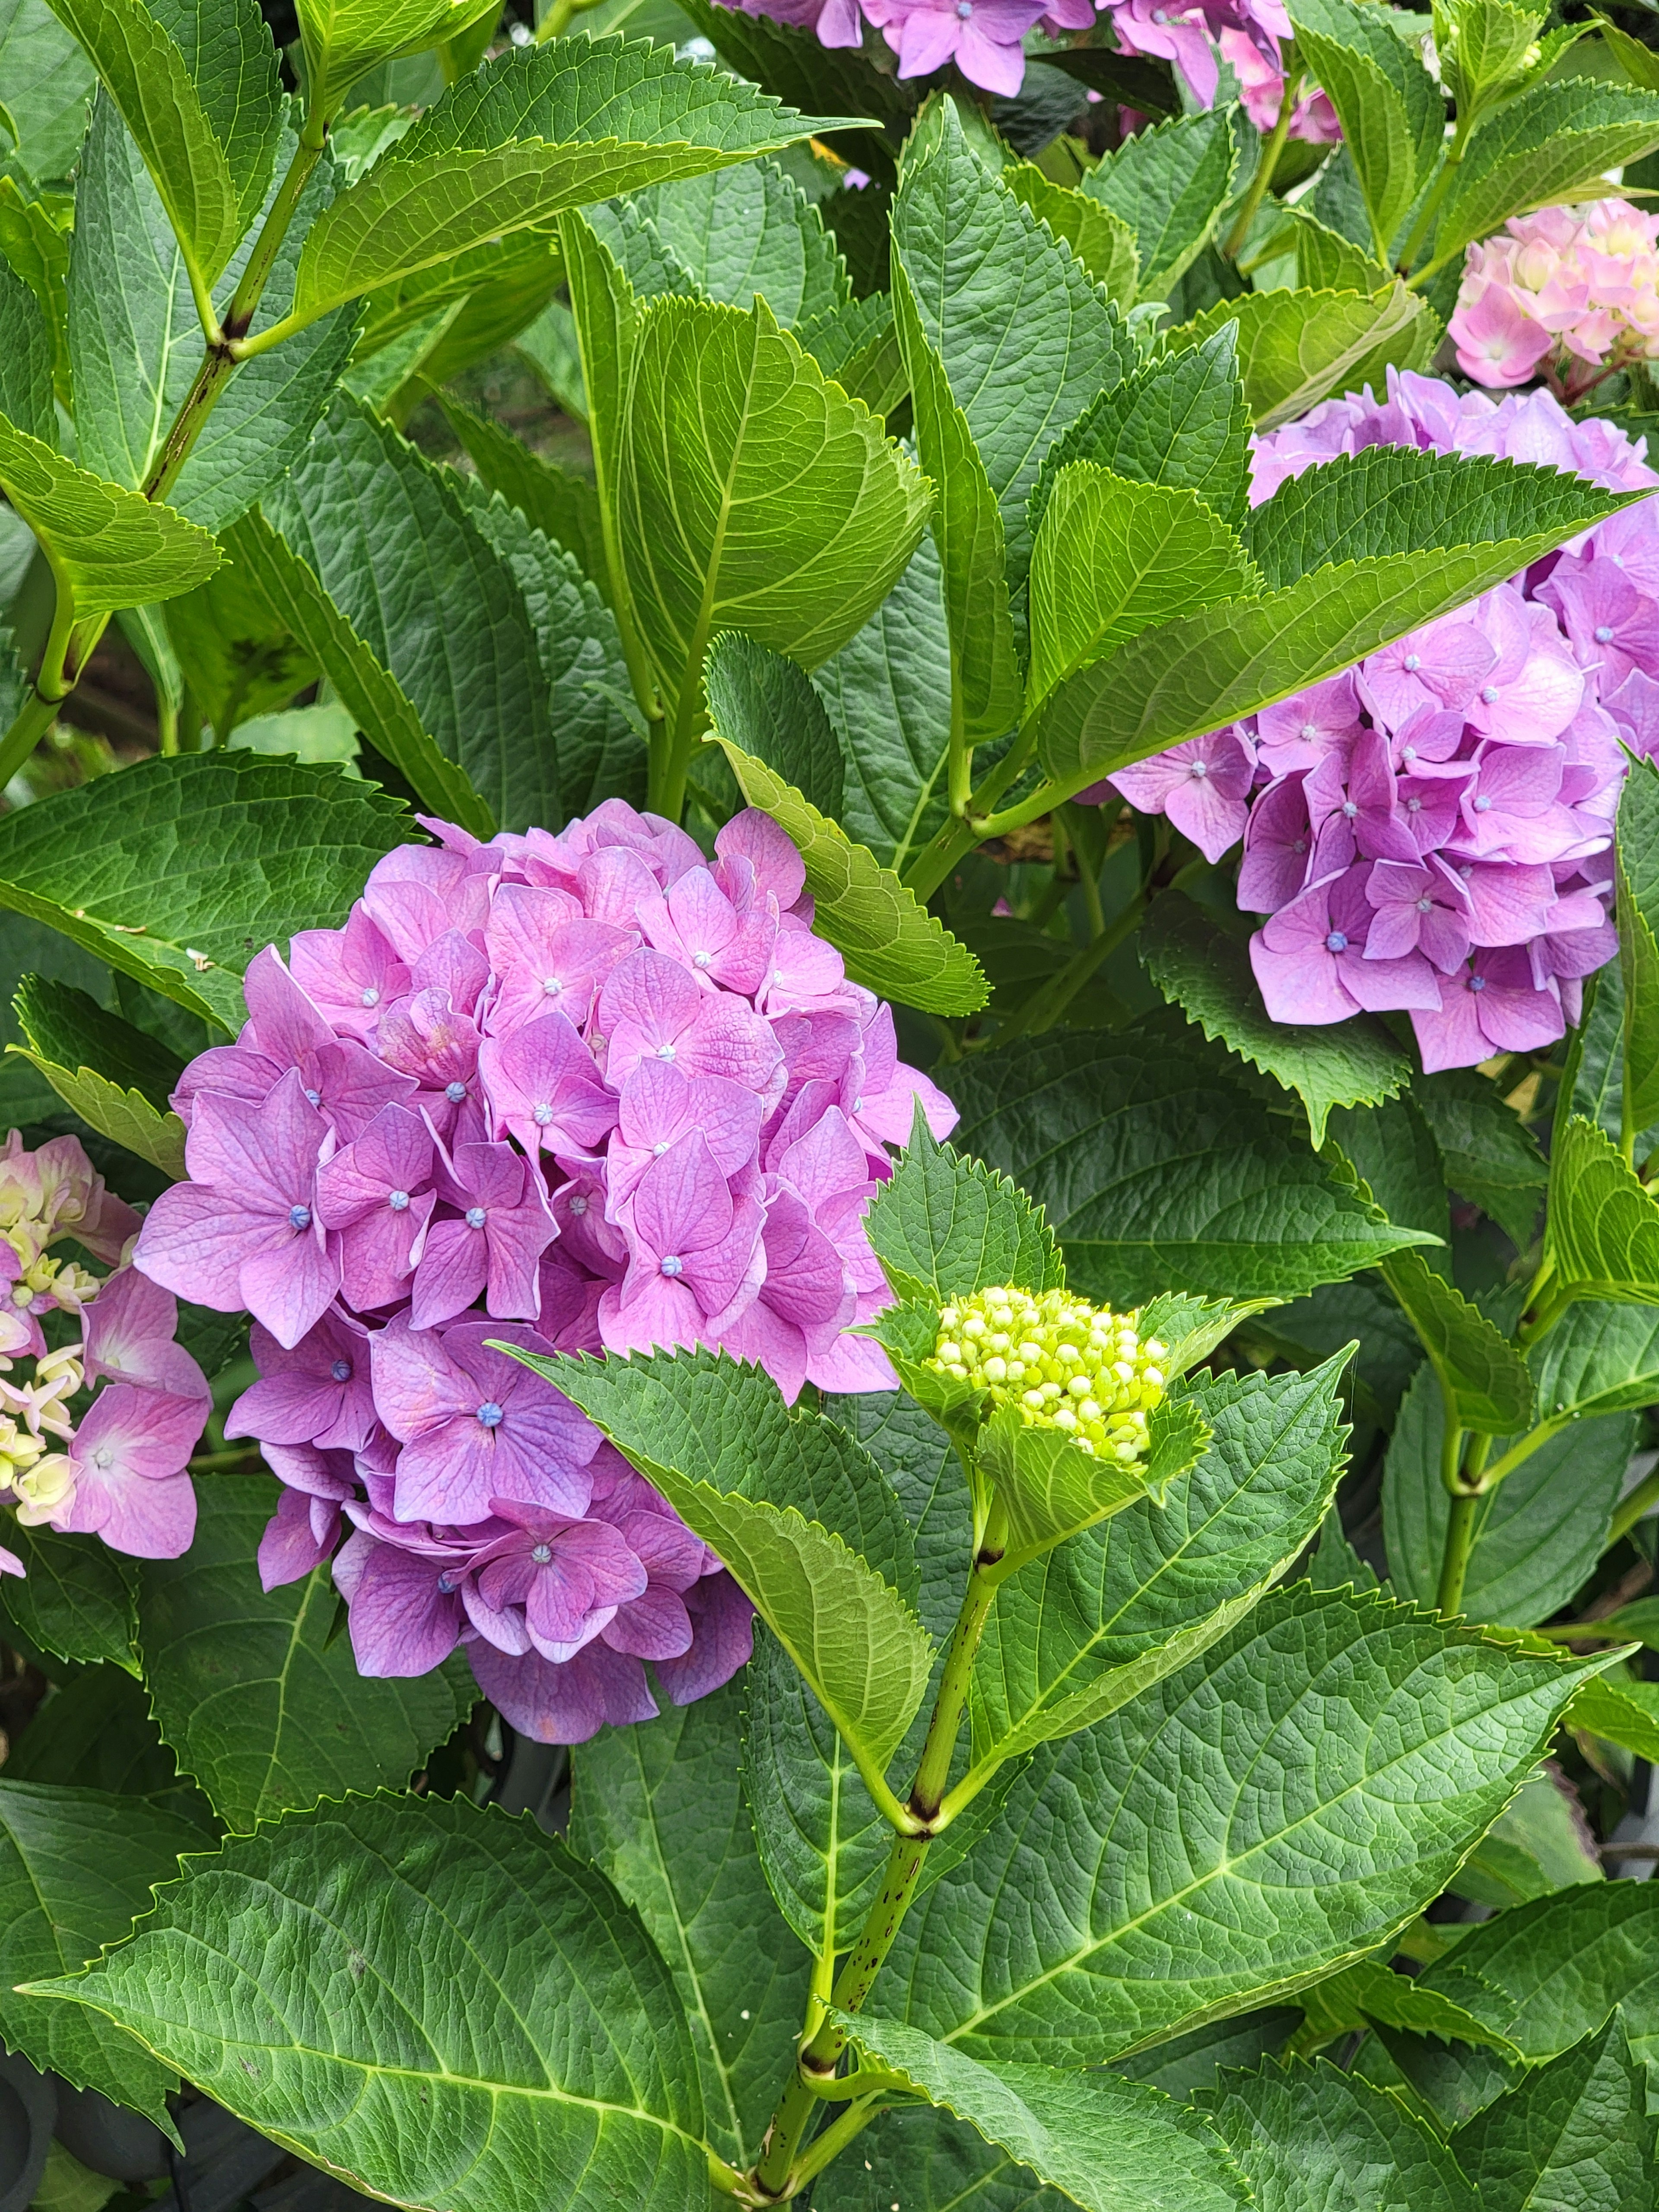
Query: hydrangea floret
(591, 1092)
(1065, 1364)
(1571, 293)
(1431, 832)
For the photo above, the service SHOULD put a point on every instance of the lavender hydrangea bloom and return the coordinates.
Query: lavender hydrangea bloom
(1445, 810)
(593, 1091)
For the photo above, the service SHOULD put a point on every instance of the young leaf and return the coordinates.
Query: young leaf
(750, 230)
(177, 871)
(1392, 114)
(1294, 347)
(1169, 184)
(1576, 2131)
(1204, 969)
(1489, 1153)
(657, 1807)
(342, 40)
(1078, 1633)
(76, 1598)
(1602, 1237)
(262, 1708)
(1157, 1173)
(1551, 143)
(1111, 2145)
(1051, 1490)
(75, 1870)
(1307, 2135)
(1481, 1370)
(946, 1226)
(1100, 1958)
(802, 1516)
(442, 2002)
(1112, 558)
(111, 548)
(1327, 262)
(26, 361)
(752, 494)
(1539, 1533)
(767, 720)
(115, 1077)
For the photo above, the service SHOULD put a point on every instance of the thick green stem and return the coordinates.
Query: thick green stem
(1264, 169)
(1459, 1543)
(34, 717)
(218, 367)
(1637, 1507)
(251, 286)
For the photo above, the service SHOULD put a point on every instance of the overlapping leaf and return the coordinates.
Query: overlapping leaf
(1306, 2136)
(1602, 1237)
(1574, 2132)
(947, 1225)
(1169, 184)
(1392, 114)
(115, 1077)
(1551, 143)
(74, 1600)
(1296, 348)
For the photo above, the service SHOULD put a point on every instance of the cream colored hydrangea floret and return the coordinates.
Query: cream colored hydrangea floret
(1066, 1364)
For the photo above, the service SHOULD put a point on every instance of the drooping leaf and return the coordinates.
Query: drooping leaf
(1389, 1148)
(75, 1870)
(1575, 2132)
(429, 2000)
(1540, 1843)
(947, 1225)
(1157, 1173)
(1551, 143)
(657, 1807)
(75, 1599)
(1169, 184)
(99, 1735)
(1391, 110)
(262, 1708)
(1205, 968)
(1602, 1235)
(1287, 1879)
(178, 871)
(1111, 2145)
(1296, 348)
(1307, 2137)
(114, 1075)
(765, 714)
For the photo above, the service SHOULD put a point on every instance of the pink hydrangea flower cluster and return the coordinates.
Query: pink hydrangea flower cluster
(1571, 294)
(1247, 34)
(1433, 831)
(983, 38)
(114, 1467)
(574, 1093)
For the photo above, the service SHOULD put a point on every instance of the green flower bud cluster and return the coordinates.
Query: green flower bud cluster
(1066, 1364)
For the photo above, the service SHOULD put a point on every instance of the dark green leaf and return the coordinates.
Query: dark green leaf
(1540, 1843)
(930, 2162)
(563, 506)
(1485, 1377)
(1490, 1154)
(75, 1599)
(1311, 2139)
(115, 1077)
(25, 396)
(856, 345)
(238, 658)
(1391, 110)
(1575, 2132)
(1169, 184)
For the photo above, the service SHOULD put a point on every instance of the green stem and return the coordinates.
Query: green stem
(829, 2146)
(558, 18)
(1264, 170)
(1088, 877)
(1640, 1502)
(1460, 1543)
(1425, 215)
(251, 286)
(1045, 1007)
(34, 717)
(1519, 1453)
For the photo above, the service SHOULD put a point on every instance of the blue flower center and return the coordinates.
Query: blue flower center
(1482, 803)
(1477, 983)
(454, 1092)
(490, 1415)
(1425, 906)
(541, 1554)
(299, 1216)
(1412, 662)
(341, 1370)
(672, 1264)
(315, 1097)
(476, 1217)
(541, 1115)
(578, 1207)
(1489, 693)
(446, 1585)
(398, 1200)
(1604, 633)
(1336, 942)
(370, 997)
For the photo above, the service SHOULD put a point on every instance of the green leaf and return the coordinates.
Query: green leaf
(48, 82)
(99, 1735)
(1102, 242)
(1191, 1328)
(563, 506)
(135, 341)
(1112, 2145)
(1490, 1155)
(1112, 558)
(1204, 969)
(1540, 1843)
(1598, 1358)
(888, 694)
(1538, 1533)
(1391, 110)
(715, 537)
(1575, 2132)
(1296, 348)
(1370, 1995)
(931, 2163)
(1077, 1634)
(539, 130)
(800, 1514)
(1481, 1370)
(1051, 1490)
(262, 1708)
(750, 230)
(76, 1598)
(432, 2001)
(1157, 1173)
(759, 704)
(237, 657)
(26, 392)
(658, 1808)
(948, 1225)
(1298, 1865)
(178, 871)
(1327, 262)
(114, 1076)
(1170, 184)
(856, 345)
(75, 1870)
(342, 40)
(1392, 499)
(1492, 47)
(1551, 143)
(1602, 1237)
(400, 563)
(1390, 1147)
(787, 60)
(1621, 1712)
(1308, 2135)
(111, 548)
(1179, 419)
(1638, 875)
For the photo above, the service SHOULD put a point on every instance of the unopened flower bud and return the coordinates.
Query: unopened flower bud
(1076, 1368)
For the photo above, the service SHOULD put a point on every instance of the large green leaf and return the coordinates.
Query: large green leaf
(753, 495)
(1310, 2139)
(766, 718)
(750, 230)
(1102, 242)
(1169, 184)
(1204, 968)
(946, 1226)
(1114, 557)
(343, 38)
(178, 871)
(114, 1075)
(1198, 1806)
(437, 2004)
(48, 81)
(659, 1808)
(1602, 1237)
(931, 2162)
(1077, 1634)
(26, 392)
(75, 1870)
(99, 1735)
(263, 1707)
(1156, 1172)
(787, 59)
(136, 345)
(112, 548)
(800, 1513)
(76, 1598)
(425, 599)
(1111, 2145)
(1551, 143)
(1296, 348)
(1392, 114)
(1538, 1534)
(1575, 2132)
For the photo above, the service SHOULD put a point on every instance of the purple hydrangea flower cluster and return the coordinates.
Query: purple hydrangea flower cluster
(983, 38)
(574, 1093)
(115, 1466)
(1433, 831)
(1248, 35)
